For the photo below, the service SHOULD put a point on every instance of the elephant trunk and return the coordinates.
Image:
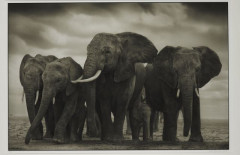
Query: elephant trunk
(90, 66)
(46, 100)
(91, 70)
(187, 100)
(30, 101)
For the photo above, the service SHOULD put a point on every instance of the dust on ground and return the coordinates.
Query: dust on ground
(214, 132)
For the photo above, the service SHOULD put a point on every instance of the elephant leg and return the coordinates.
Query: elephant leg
(152, 117)
(38, 134)
(134, 123)
(99, 122)
(98, 127)
(156, 121)
(118, 122)
(170, 126)
(65, 118)
(49, 121)
(146, 123)
(77, 121)
(74, 127)
(196, 135)
(146, 130)
(58, 109)
(107, 125)
(128, 131)
(83, 115)
(170, 119)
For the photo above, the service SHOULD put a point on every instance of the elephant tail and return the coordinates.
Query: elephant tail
(23, 96)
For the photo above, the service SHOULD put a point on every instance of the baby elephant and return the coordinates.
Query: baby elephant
(69, 109)
(141, 118)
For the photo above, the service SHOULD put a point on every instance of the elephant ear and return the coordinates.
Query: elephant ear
(24, 60)
(210, 65)
(51, 58)
(43, 60)
(75, 71)
(163, 66)
(134, 48)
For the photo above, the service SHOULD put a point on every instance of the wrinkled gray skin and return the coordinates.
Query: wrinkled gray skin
(30, 73)
(69, 110)
(155, 122)
(115, 55)
(141, 118)
(187, 70)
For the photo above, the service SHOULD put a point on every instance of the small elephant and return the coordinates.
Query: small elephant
(155, 122)
(173, 82)
(141, 118)
(69, 109)
(110, 73)
(30, 72)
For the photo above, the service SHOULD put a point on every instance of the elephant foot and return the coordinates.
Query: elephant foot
(136, 141)
(37, 135)
(93, 134)
(58, 140)
(114, 139)
(59, 137)
(170, 139)
(149, 139)
(74, 138)
(48, 135)
(28, 138)
(196, 138)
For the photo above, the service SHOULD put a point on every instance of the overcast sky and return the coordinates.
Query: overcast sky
(66, 29)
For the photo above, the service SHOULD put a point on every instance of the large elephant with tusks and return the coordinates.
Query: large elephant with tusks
(110, 73)
(172, 83)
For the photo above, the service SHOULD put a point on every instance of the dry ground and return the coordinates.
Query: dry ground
(215, 134)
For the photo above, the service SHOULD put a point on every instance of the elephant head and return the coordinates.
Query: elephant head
(186, 70)
(30, 72)
(57, 78)
(115, 53)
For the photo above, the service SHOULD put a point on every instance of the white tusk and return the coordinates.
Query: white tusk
(54, 100)
(79, 80)
(36, 97)
(178, 93)
(197, 93)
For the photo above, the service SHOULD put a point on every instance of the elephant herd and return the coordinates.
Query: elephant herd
(114, 81)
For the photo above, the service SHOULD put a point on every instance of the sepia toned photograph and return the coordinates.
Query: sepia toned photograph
(118, 76)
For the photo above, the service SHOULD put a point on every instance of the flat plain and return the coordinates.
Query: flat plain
(214, 132)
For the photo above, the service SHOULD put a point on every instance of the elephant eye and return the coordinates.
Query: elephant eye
(198, 69)
(107, 52)
(58, 79)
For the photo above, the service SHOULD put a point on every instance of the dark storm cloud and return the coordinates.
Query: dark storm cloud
(37, 8)
(29, 31)
(51, 9)
(207, 11)
(148, 7)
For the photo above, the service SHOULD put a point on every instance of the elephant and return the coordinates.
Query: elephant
(69, 108)
(172, 83)
(141, 118)
(155, 122)
(30, 73)
(110, 73)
